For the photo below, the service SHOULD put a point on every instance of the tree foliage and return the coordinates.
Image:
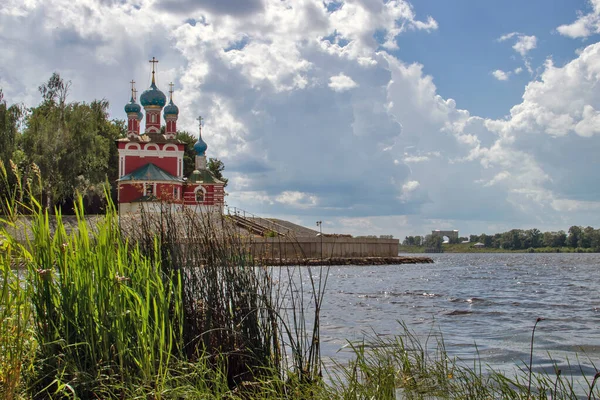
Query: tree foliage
(72, 143)
(216, 166)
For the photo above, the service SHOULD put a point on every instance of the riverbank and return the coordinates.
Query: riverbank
(468, 248)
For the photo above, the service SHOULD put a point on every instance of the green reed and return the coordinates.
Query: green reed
(408, 367)
(243, 316)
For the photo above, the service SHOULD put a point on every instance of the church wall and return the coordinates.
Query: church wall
(169, 164)
(213, 194)
(164, 191)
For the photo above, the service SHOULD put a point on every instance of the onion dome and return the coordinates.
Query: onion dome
(132, 107)
(140, 116)
(153, 97)
(171, 109)
(200, 147)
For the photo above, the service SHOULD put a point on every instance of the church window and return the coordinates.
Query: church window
(199, 195)
(175, 193)
(149, 189)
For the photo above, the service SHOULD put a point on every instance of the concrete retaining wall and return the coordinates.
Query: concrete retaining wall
(317, 247)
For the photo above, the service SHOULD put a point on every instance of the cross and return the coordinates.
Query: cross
(200, 119)
(171, 89)
(132, 88)
(153, 61)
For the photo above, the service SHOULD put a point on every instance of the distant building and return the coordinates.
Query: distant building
(151, 164)
(479, 245)
(449, 234)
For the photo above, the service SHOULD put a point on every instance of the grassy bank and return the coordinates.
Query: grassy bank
(173, 306)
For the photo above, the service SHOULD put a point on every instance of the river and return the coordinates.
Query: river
(491, 300)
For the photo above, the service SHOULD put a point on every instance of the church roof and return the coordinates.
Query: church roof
(149, 172)
(203, 176)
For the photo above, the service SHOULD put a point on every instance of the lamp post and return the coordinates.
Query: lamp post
(319, 223)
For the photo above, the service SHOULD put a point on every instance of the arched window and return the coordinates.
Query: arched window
(200, 194)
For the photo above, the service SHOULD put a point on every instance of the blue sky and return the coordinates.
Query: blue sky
(374, 116)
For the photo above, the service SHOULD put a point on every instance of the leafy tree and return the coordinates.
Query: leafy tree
(216, 166)
(574, 236)
(433, 242)
(10, 116)
(534, 238)
(189, 155)
(585, 240)
(70, 142)
(487, 240)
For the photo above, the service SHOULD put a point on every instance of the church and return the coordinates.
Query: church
(151, 164)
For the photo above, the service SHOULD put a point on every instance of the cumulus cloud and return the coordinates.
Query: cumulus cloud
(296, 141)
(341, 83)
(585, 25)
(501, 75)
(525, 44)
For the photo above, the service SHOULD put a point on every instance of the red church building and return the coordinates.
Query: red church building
(151, 164)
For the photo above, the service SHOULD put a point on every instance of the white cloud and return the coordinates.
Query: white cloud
(508, 36)
(388, 157)
(501, 75)
(585, 25)
(297, 199)
(525, 44)
(341, 83)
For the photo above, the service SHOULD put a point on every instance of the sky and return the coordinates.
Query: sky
(376, 117)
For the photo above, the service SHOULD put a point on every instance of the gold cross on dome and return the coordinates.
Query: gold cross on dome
(171, 89)
(132, 88)
(153, 61)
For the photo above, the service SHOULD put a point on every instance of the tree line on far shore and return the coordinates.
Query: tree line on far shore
(521, 239)
(69, 147)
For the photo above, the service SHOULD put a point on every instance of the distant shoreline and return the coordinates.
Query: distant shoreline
(468, 248)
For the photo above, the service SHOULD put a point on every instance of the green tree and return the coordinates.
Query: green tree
(70, 142)
(533, 237)
(10, 116)
(574, 235)
(189, 155)
(433, 243)
(216, 166)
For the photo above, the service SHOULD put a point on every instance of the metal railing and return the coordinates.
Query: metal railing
(264, 223)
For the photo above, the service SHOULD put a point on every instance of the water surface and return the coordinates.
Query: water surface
(491, 300)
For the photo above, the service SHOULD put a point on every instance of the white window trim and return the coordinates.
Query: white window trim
(200, 188)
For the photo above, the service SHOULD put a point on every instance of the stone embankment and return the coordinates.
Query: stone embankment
(346, 261)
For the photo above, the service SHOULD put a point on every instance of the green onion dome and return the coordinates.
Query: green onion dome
(171, 109)
(132, 107)
(153, 97)
(140, 116)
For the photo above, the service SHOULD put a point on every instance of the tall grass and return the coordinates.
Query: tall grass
(244, 315)
(102, 312)
(175, 305)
